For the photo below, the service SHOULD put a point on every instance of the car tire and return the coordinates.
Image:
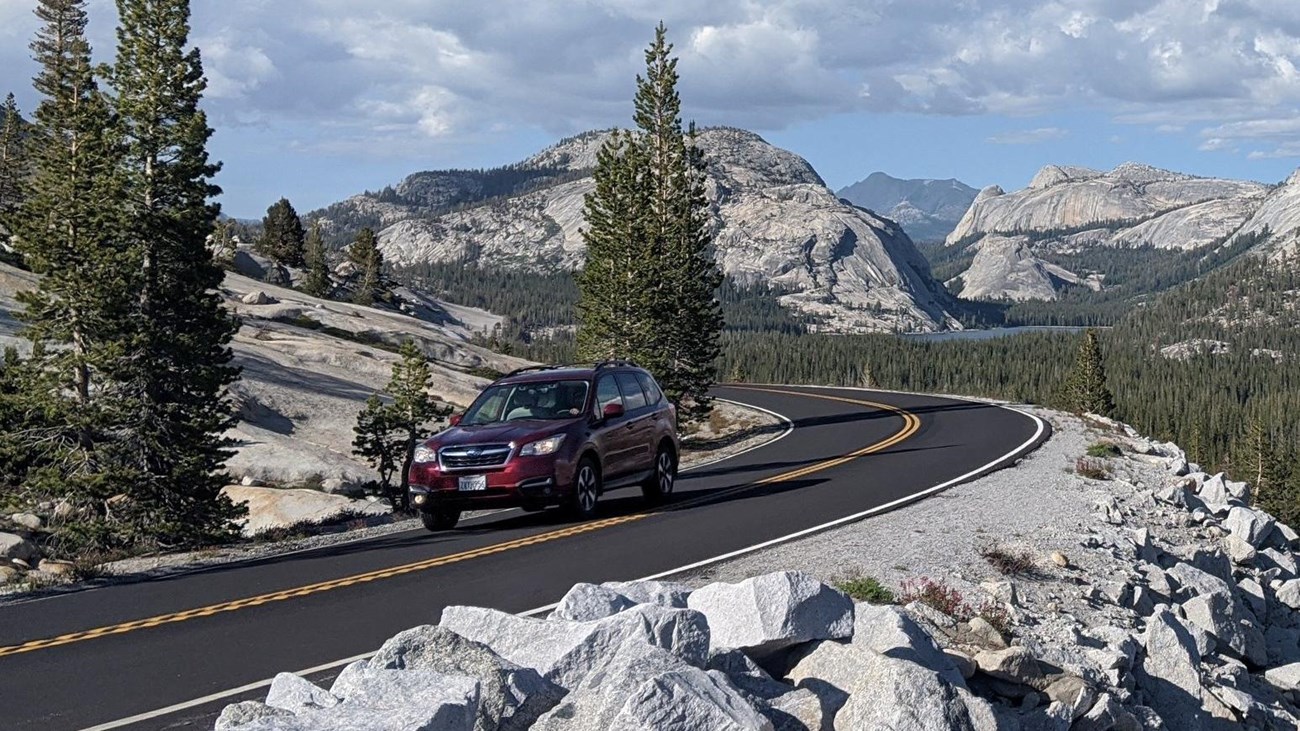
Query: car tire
(659, 485)
(440, 520)
(586, 489)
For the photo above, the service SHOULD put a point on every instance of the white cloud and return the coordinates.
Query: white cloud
(347, 72)
(1028, 136)
(234, 69)
(1284, 150)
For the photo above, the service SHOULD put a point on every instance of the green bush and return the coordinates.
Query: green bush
(865, 589)
(1104, 450)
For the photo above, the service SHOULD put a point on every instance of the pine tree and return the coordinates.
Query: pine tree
(1263, 466)
(412, 410)
(317, 282)
(373, 441)
(13, 162)
(365, 255)
(615, 307)
(648, 289)
(69, 228)
(283, 238)
(1086, 388)
(387, 434)
(222, 243)
(177, 370)
(867, 378)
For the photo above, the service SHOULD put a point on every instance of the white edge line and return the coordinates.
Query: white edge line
(789, 428)
(216, 696)
(864, 514)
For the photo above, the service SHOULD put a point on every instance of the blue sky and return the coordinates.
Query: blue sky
(320, 99)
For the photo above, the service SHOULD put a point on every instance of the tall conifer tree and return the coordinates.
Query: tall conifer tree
(69, 229)
(1087, 390)
(13, 161)
(283, 238)
(317, 282)
(364, 253)
(178, 369)
(648, 290)
(615, 306)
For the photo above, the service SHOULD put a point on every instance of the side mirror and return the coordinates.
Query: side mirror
(455, 419)
(612, 411)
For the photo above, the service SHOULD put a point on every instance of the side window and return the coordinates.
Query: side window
(652, 392)
(633, 396)
(607, 393)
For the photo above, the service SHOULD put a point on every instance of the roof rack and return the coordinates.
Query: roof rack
(615, 363)
(529, 369)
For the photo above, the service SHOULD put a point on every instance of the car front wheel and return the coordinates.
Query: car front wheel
(586, 489)
(440, 520)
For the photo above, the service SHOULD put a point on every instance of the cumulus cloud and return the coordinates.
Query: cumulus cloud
(1028, 136)
(1280, 137)
(433, 73)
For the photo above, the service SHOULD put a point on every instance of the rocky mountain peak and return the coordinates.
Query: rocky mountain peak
(774, 220)
(572, 153)
(1056, 174)
(1068, 209)
(926, 208)
(746, 158)
(1294, 179)
(1140, 173)
(991, 191)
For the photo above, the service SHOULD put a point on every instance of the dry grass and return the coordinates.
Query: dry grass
(1009, 561)
(1091, 468)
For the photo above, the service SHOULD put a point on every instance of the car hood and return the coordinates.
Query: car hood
(519, 432)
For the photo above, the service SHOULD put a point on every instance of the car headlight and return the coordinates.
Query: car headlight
(425, 454)
(542, 447)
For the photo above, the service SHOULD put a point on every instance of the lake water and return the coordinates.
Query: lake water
(997, 332)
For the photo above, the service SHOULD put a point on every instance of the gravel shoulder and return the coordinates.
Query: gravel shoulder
(940, 536)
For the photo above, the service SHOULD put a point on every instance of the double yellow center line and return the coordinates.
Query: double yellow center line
(911, 424)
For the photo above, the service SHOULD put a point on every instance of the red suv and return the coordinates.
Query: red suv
(549, 435)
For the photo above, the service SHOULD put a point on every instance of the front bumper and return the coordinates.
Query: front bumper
(522, 482)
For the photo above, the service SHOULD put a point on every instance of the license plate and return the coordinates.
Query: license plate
(473, 483)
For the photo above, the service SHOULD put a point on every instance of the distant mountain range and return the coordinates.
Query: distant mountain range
(928, 210)
(775, 223)
(1034, 243)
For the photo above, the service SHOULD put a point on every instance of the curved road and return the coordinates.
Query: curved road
(101, 657)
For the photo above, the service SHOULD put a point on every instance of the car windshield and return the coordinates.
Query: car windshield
(533, 400)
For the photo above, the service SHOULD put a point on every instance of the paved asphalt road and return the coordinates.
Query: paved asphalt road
(116, 652)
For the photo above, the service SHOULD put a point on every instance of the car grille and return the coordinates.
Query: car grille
(474, 456)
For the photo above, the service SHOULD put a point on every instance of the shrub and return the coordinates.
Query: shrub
(946, 599)
(865, 589)
(1091, 468)
(936, 595)
(996, 615)
(86, 568)
(1104, 450)
(1008, 561)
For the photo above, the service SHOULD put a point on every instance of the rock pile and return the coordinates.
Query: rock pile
(1174, 606)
